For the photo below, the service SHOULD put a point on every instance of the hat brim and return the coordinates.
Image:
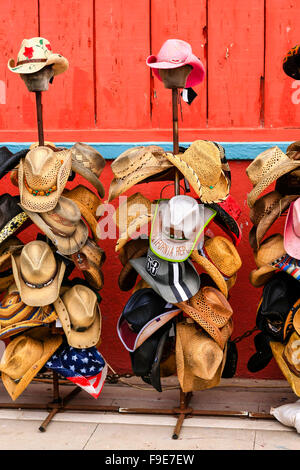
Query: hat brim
(12, 226)
(60, 64)
(51, 344)
(37, 297)
(132, 228)
(293, 380)
(88, 175)
(192, 280)
(80, 340)
(211, 270)
(291, 241)
(259, 277)
(195, 77)
(128, 275)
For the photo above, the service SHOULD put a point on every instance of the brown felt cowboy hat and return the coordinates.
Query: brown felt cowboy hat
(89, 205)
(89, 163)
(24, 357)
(132, 249)
(211, 310)
(135, 165)
(42, 176)
(267, 167)
(37, 273)
(200, 360)
(264, 213)
(62, 225)
(205, 167)
(80, 316)
(130, 216)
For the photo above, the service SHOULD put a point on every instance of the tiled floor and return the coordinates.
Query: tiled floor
(76, 430)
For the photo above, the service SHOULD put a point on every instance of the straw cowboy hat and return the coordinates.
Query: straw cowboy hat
(291, 237)
(264, 213)
(42, 176)
(287, 357)
(80, 316)
(199, 359)
(135, 165)
(205, 167)
(38, 275)
(24, 357)
(12, 216)
(270, 257)
(89, 163)
(220, 259)
(62, 225)
(130, 216)
(131, 250)
(89, 204)
(291, 63)
(10, 245)
(89, 259)
(176, 53)
(35, 54)
(210, 309)
(266, 168)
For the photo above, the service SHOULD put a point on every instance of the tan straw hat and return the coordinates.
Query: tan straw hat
(42, 176)
(266, 168)
(201, 164)
(135, 165)
(132, 249)
(88, 203)
(130, 216)
(269, 251)
(24, 357)
(38, 275)
(89, 163)
(264, 213)
(35, 54)
(219, 258)
(288, 359)
(210, 309)
(199, 359)
(62, 225)
(80, 316)
(89, 259)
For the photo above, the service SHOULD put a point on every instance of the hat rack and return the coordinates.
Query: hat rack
(39, 114)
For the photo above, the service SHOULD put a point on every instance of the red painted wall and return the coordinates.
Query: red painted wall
(243, 297)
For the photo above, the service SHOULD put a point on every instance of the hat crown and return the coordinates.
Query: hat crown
(81, 303)
(264, 206)
(202, 355)
(34, 48)
(85, 197)
(270, 249)
(182, 213)
(41, 167)
(37, 262)
(296, 217)
(24, 354)
(264, 163)
(174, 50)
(89, 157)
(64, 217)
(223, 255)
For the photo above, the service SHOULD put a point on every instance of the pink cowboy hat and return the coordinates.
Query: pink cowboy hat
(292, 230)
(176, 53)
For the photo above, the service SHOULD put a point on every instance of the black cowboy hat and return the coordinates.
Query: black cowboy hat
(263, 355)
(226, 222)
(291, 63)
(9, 160)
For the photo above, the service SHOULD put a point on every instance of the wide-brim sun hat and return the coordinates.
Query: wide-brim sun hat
(176, 53)
(35, 54)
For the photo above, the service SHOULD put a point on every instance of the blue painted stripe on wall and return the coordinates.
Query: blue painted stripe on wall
(111, 150)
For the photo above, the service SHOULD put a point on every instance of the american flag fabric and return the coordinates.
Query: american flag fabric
(84, 367)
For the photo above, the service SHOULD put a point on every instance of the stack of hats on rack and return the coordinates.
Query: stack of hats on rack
(47, 320)
(177, 319)
(277, 257)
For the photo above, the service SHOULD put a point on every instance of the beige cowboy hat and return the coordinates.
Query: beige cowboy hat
(62, 225)
(266, 168)
(201, 164)
(24, 357)
(130, 216)
(89, 204)
(199, 359)
(135, 165)
(42, 176)
(264, 213)
(270, 250)
(80, 316)
(287, 357)
(35, 54)
(38, 275)
(211, 310)
(89, 259)
(220, 259)
(89, 163)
